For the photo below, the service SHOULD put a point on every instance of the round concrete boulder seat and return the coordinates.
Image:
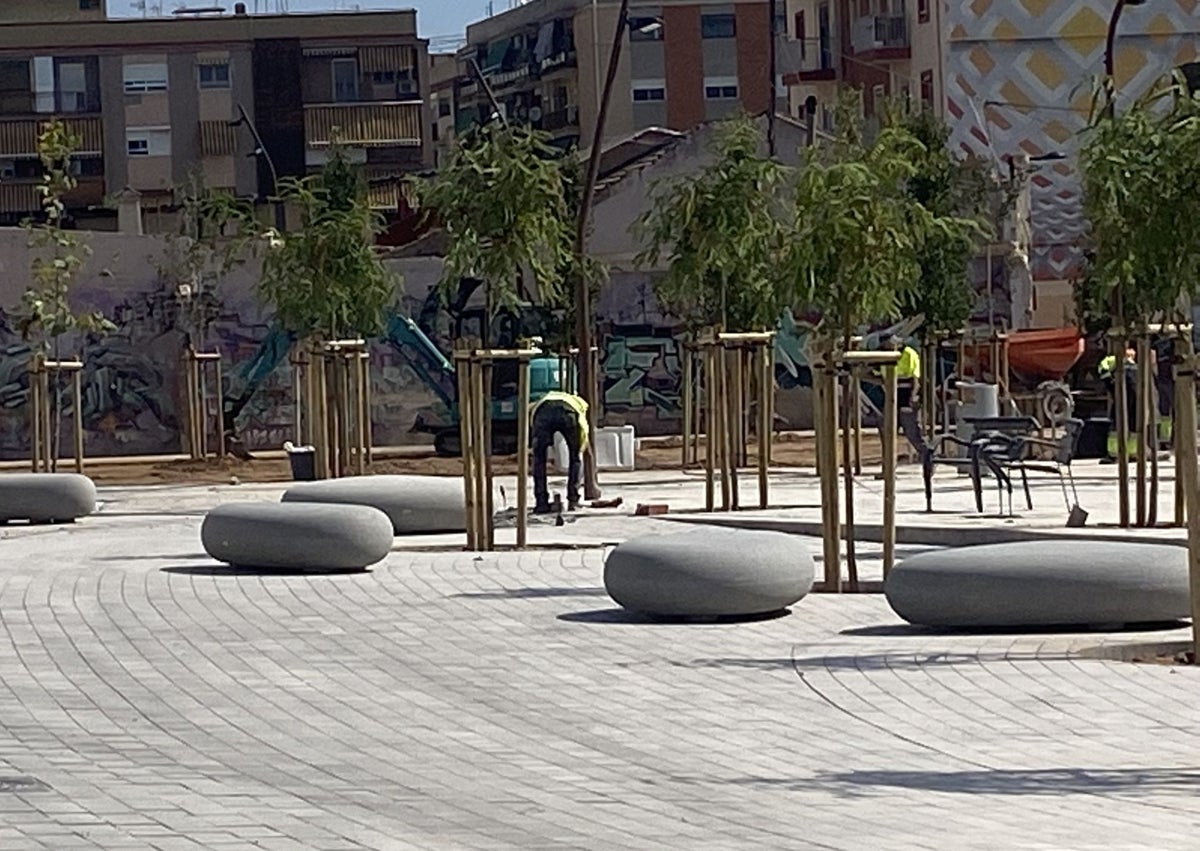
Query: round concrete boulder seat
(709, 572)
(277, 536)
(415, 504)
(46, 497)
(1042, 584)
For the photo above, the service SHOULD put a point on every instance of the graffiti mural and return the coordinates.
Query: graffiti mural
(642, 377)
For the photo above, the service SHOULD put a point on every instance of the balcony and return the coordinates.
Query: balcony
(816, 64)
(23, 197)
(881, 37)
(364, 125)
(19, 136)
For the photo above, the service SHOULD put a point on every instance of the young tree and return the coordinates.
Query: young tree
(502, 200)
(326, 279)
(216, 233)
(852, 251)
(45, 317)
(1141, 177)
(720, 233)
(946, 185)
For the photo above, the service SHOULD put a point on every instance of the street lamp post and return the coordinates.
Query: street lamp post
(588, 384)
(260, 150)
(1111, 41)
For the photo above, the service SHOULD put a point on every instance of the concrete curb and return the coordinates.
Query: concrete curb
(933, 536)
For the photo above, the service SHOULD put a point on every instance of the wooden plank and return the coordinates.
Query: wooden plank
(890, 425)
(523, 454)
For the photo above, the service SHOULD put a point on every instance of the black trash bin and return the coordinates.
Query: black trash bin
(304, 462)
(1093, 440)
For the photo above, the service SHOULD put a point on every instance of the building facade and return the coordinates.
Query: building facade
(155, 101)
(885, 49)
(683, 63)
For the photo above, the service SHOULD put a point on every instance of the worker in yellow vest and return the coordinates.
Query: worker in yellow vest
(908, 385)
(565, 414)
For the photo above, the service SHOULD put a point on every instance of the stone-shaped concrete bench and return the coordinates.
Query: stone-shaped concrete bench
(709, 572)
(1036, 584)
(46, 497)
(415, 504)
(278, 536)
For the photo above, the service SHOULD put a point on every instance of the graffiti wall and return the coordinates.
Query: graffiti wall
(132, 383)
(132, 391)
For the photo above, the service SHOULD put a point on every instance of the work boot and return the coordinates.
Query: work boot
(543, 508)
(573, 505)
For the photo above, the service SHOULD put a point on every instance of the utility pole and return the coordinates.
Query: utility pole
(584, 330)
(774, 72)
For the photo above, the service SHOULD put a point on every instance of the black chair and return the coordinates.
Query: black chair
(973, 461)
(1014, 453)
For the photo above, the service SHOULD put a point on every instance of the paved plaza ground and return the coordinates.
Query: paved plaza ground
(446, 700)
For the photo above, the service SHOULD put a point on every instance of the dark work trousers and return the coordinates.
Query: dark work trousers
(906, 413)
(550, 418)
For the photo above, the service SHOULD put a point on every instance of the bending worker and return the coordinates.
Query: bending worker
(565, 414)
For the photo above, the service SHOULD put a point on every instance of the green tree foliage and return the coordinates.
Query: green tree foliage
(945, 185)
(326, 278)
(502, 200)
(1141, 173)
(719, 232)
(216, 233)
(853, 247)
(45, 314)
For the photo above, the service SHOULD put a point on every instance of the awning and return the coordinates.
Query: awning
(388, 58)
(495, 55)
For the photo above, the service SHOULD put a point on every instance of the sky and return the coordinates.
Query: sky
(434, 17)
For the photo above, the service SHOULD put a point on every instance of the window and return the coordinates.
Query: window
(145, 77)
(148, 141)
(801, 35)
(444, 109)
(718, 26)
(345, 80)
(923, 11)
(383, 78)
(878, 98)
(645, 91)
(214, 76)
(72, 87)
(824, 37)
(780, 24)
(720, 88)
(88, 5)
(927, 88)
(646, 29)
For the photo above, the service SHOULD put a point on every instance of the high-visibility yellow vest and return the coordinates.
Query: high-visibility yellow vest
(908, 368)
(575, 403)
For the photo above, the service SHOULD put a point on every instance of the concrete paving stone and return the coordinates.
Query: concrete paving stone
(446, 700)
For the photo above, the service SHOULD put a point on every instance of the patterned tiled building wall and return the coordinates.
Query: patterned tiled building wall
(1020, 77)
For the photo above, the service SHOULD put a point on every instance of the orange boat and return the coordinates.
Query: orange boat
(1046, 354)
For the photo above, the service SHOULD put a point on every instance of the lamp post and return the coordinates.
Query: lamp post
(1111, 41)
(588, 384)
(260, 150)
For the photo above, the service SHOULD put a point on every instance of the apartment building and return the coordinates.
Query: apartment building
(882, 48)
(156, 99)
(684, 62)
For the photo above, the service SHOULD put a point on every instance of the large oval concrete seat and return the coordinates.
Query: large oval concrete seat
(279, 536)
(709, 572)
(415, 504)
(46, 497)
(1036, 583)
